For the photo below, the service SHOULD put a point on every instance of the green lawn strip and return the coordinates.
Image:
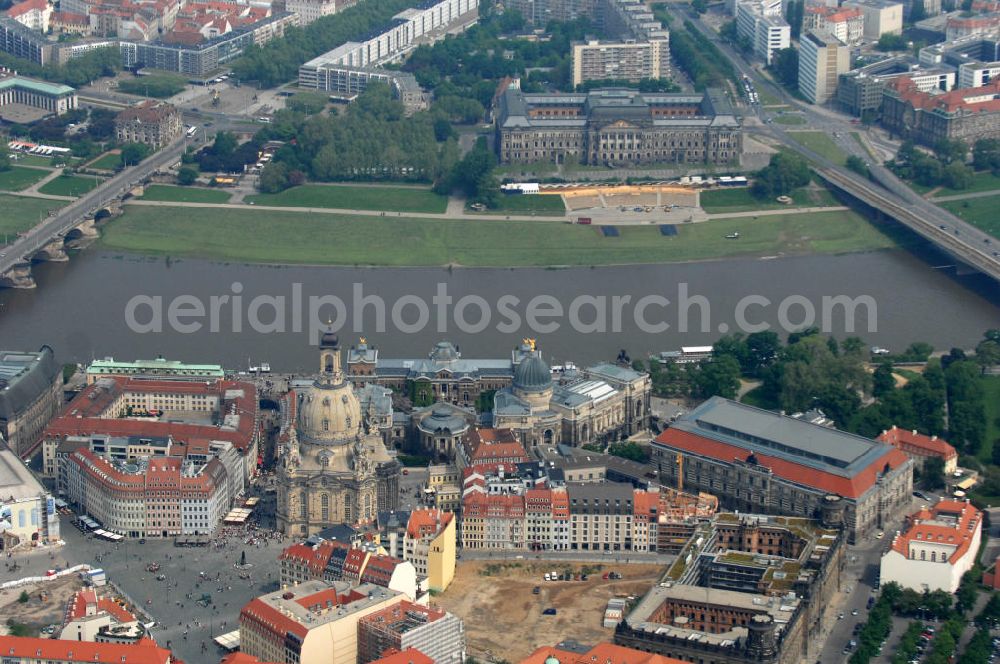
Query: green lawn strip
(347, 197)
(31, 160)
(822, 144)
(69, 185)
(981, 181)
(288, 237)
(548, 204)
(107, 162)
(980, 212)
(19, 213)
(790, 119)
(991, 389)
(18, 178)
(717, 201)
(164, 192)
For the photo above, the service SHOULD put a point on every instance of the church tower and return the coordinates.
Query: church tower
(330, 371)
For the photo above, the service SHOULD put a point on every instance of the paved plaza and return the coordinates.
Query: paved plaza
(182, 624)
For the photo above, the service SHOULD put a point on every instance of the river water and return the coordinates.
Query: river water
(79, 308)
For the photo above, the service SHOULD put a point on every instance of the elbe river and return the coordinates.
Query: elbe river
(106, 304)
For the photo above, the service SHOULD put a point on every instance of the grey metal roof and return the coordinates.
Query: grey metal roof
(16, 481)
(760, 430)
(24, 376)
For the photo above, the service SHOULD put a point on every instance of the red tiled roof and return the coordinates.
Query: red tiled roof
(409, 656)
(480, 505)
(143, 652)
(69, 18)
(427, 522)
(849, 487)
(86, 414)
(973, 100)
(27, 6)
(602, 653)
(968, 519)
(314, 558)
(930, 445)
(242, 658)
(645, 503)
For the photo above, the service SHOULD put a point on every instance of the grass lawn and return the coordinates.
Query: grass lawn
(980, 212)
(716, 201)
(108, 161)
(31, 160)
(991, 388)
(18, 178)
(289, 237)
(766, 98)
(392, 199)
(165, 192)
(69, 185)
(789, 119)
(982, 181)
(19, 213)
(548, 204)
(820, 143)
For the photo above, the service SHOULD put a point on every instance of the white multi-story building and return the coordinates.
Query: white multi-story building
(880, 17)
(845, 23)
(822, 59)
(629, 60)
(939, 545)
(761, 23)
(310, 10)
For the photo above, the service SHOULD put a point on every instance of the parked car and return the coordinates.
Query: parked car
(549, 612)
(536, 590)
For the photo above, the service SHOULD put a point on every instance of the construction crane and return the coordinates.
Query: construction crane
(680, 472)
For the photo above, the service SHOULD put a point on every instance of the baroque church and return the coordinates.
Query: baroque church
(335, 468)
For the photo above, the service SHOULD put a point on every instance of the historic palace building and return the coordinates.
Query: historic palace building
(618, 127)
(334, 467)
(601, 403)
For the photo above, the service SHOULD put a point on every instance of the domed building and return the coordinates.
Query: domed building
(598, 404)
(335, 468)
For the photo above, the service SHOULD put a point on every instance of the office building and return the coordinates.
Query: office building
(629, 60)
(758, 461)
(30, 392)
(936, 547)
(860, 91)
(880, 17)
(822, 59)
(347, 82)
(23, 42)
(761, 23)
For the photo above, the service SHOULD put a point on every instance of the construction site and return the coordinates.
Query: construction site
(497, 599)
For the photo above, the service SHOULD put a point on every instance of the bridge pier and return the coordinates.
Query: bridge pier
(87, 228)
(18, 276)
(54, 251)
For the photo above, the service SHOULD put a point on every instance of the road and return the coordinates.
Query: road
(959, 238)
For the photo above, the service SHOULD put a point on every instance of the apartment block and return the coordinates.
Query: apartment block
(628, 60)
(880, 17)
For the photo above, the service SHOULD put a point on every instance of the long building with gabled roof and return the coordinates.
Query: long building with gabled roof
(758, 461)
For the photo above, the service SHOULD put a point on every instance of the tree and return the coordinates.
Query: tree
(932, 473)
(716, 377)
(23, 597)
(891, 42)
(4, 156)
(951, 150)
(786, 67)
(699, 6)
(133, 153)
(857, 164)
(273, 178)
(957, 175)
(986, 154)
(917, 11)
(883, 382)
(966, 406)
(762, 349)
(629, 450)
(187, 175)
(785, 172)
(987, 354)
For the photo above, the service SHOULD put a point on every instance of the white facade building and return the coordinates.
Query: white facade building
(761, 23)
(939, 545)
(822, 59)
(881, 17)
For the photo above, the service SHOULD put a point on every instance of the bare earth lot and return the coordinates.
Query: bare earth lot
(35, 613)
(504, 620)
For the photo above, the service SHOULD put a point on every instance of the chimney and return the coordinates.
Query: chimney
(914, 432)
(934, 437)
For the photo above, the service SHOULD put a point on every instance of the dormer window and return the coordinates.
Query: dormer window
(326, 424)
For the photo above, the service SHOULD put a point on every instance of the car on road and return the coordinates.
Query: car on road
(536, 590)
(854, 612)
(549, 612)
(879, 535)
